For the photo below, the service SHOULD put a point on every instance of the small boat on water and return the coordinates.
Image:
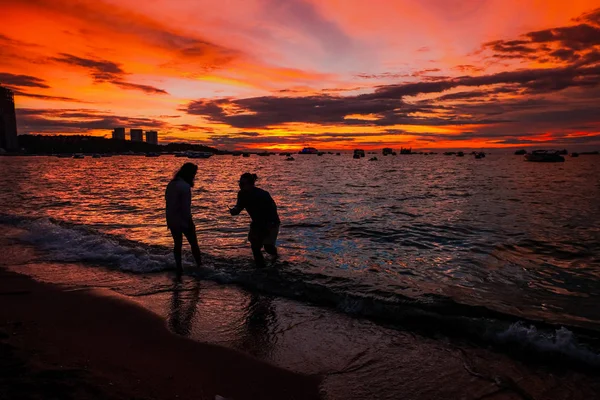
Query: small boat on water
(245, 154)
(309, 150)
(290, 158)
(199, 154)
(574, 154)
(359, 153)
(373, 159)
(520, 152)
(338, 154)
(460, 154)
(544, 156)
(78, 156)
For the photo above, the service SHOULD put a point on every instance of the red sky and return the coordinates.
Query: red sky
(332, 74)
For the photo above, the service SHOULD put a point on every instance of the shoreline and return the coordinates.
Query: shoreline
(122, 350)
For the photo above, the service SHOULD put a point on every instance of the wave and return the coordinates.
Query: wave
(427, 314)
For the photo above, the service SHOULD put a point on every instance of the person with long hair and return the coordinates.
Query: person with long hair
(263, 211)
(178, 198)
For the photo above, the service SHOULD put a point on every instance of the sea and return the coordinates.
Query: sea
(489, 255)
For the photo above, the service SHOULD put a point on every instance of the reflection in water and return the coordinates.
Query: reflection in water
(184, 304)
(257, 336)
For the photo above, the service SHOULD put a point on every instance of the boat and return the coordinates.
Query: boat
(290, 158)
(338, 154)
(405, 151)
(387, 151)
(245, 154)
(479, 155)
(449, 153)
(199, 154)
(264, 154)
(320, 154)
(574, 154)
(358, 153)
(460, 154)
(563, 152)
(309, 150)
(78, 156)
(236, 153)
(520, 152)
(544, 156)
(373, 159)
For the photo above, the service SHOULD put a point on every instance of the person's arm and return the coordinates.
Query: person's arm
(186, 207)
(239, 207)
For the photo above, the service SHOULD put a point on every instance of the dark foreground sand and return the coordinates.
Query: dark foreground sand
(60, 344)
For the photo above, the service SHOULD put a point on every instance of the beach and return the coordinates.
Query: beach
(85, 340)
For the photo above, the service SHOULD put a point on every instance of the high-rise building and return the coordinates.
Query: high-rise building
(118, 133)
(8, 120)
(137, 135)
(152, 137)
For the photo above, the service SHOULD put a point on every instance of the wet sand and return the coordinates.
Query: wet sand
(86, 345)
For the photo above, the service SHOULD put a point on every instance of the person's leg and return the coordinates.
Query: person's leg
(193, 240)
(271, 249)
(177, 244)
(255, 237)
(257, 253)
(270, 240)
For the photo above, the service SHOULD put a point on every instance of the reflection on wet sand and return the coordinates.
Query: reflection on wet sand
(257, 336)
(184, 304)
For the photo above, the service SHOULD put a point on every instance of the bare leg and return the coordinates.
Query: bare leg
(193, 240)
(257, 252)
(271, 249)
(177, 244)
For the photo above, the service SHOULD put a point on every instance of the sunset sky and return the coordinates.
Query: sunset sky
(333, 74)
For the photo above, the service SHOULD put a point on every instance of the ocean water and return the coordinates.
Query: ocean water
(495, 250)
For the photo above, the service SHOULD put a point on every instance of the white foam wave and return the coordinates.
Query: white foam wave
(561, 341)
(67, 244)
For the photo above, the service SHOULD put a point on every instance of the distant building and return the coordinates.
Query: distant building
(8, 120)
(137, 135)
(118, 133)
(152, 137)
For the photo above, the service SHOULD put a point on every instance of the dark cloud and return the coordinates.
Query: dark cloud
(592, 17)
(106, 71)
(22, 81)
(76, 121)
(388, 102)
(46, 97)
(566, 44)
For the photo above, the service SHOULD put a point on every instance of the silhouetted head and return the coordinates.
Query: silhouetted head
(247, 181)
(187, 172)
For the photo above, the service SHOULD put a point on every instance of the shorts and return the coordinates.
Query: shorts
(264, 235)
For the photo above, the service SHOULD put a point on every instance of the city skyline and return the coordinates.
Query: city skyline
(268, 74)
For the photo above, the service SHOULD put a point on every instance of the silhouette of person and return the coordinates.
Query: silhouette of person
(182, 314)
(178, 198)
(263, 211)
